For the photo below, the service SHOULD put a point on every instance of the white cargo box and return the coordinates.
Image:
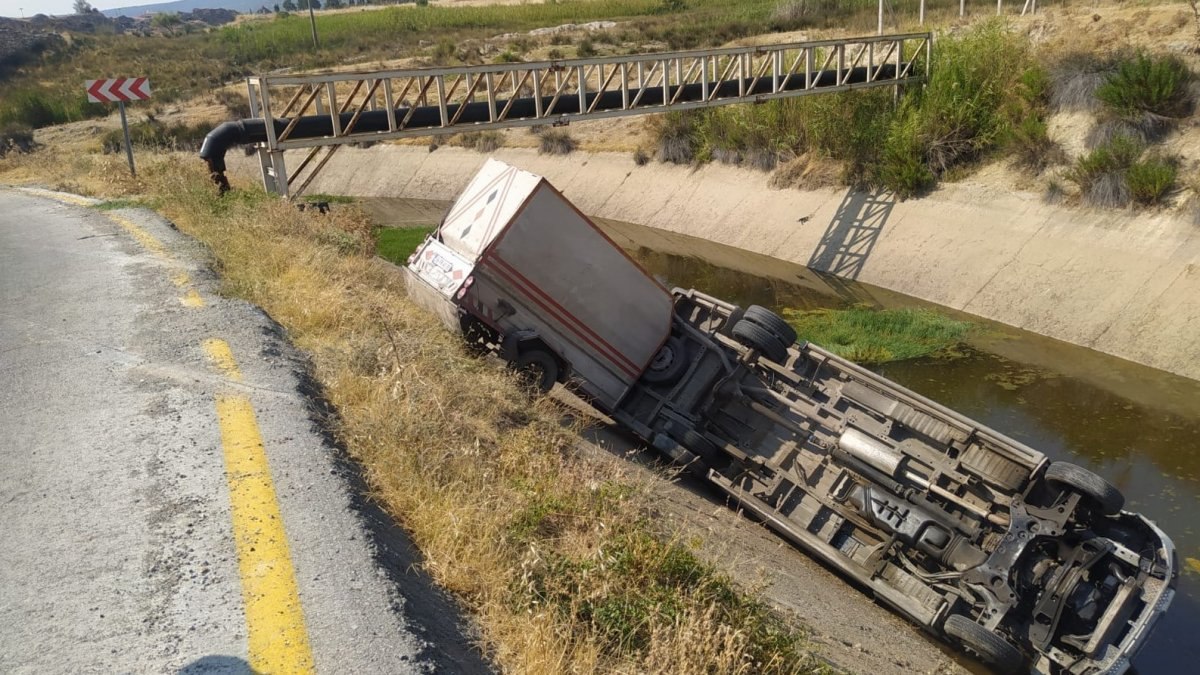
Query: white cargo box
(536, 263)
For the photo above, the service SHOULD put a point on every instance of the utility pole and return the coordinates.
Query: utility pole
(312, 20)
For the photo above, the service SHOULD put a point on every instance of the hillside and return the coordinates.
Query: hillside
(239, 6)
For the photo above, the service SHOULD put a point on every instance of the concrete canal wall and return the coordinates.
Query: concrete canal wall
(1124, 284)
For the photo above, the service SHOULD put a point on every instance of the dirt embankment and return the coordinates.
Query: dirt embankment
(1124, 284)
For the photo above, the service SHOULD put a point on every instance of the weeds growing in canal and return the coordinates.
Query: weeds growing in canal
(395, 244)
(550, 546)
(871, 336)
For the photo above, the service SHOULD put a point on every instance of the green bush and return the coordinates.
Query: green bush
(986, 93)
(1032, 146)
(903, 168)
(1148, 84)
(1102, 174)
(1151, 179)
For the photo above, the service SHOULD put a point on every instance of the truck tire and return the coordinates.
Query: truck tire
(772, 322)
(537, 368)
(990, 647)
(1107, 499)
(669, 364)
(758, 338)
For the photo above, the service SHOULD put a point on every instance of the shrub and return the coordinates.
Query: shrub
(1032, 146)
(1102, 174)
(445, 51)
(480, 141)
(1144, 84)
(903, 169)
(965, 108)
(1074, 79)
(16, 140)
(556, 142)
(585, 48)
(1151, 179)
(675, 133)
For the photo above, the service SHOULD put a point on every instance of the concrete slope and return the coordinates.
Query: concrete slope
(128, 389)
(1123, 284)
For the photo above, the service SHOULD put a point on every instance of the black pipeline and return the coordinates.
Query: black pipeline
(254, 130)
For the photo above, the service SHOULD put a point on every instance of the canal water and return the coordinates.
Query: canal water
(1136, 426)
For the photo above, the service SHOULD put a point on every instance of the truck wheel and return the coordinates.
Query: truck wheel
(537, 368)
(1100, 492)
(756, 337)
(668, 364)
(772, 322)
(990, 647)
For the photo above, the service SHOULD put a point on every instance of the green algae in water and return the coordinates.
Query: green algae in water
(868, 336)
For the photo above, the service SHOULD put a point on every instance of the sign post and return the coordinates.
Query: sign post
(119, 90)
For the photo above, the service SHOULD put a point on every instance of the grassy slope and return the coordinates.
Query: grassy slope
(875, 336)
(554, 553)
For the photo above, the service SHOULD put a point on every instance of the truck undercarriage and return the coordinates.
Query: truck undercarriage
(972, 535)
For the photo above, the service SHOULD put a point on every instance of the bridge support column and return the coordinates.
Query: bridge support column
(274, 172)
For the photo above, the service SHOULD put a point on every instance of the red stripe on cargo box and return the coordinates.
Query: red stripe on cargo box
(562, 315)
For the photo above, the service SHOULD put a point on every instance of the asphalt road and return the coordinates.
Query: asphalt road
(117, 511)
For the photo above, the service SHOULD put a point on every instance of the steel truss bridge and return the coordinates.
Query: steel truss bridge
(322, 113)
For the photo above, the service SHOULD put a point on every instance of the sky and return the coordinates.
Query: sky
(15, 8)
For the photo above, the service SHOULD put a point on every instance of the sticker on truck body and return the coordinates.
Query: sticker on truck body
(441, 267)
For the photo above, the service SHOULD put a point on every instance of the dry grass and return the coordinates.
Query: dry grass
(553, 552)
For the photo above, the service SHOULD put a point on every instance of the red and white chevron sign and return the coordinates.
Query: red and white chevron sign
(118, 89)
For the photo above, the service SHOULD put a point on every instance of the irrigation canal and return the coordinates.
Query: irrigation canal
(1136, 426)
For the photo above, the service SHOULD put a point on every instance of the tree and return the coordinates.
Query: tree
(303, 4)
(333, 4)
(83, 7)
(289, 6)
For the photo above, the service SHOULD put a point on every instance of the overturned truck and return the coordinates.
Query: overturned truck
(1027, 563)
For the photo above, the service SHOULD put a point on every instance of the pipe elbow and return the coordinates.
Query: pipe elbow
(218, 141)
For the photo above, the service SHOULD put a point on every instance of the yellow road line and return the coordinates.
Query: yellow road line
(192, 299)
(222, 356)
(151, 243)
(64, 197)
(277, 638)
(147, 240)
